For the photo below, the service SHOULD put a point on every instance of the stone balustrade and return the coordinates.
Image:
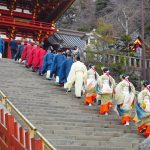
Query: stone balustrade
(126, 60)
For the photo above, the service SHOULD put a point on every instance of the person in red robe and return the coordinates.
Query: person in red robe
(35, 59)
(31, 54)
(29, 50)
(38, 58)
(26, 51)
(42, 53)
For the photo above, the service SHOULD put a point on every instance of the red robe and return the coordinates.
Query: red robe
(36, 60)
(26, 51)
(41, 56)
(31, 55)
(29, 49)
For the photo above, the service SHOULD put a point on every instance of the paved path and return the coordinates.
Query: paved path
(64, 120)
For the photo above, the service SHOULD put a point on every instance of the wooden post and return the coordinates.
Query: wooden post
(27, 138)
(10, 130)
(16, 130)
(37, 144)
(2, 116)
(22, 135)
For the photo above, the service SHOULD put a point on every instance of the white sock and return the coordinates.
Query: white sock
(48, 74)
(57, 79)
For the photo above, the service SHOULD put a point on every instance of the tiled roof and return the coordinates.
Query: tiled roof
(69, 38)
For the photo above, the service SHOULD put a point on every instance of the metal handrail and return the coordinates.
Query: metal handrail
(27, 122)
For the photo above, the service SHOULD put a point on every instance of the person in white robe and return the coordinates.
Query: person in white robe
(77, 76)
(124, 97)
(143, 110)
(90, 87)
(105, 86)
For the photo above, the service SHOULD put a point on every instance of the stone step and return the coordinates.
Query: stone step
(88, 126)
(88, 133)
(47, 120)
(132, 138)
(72, 116)
(125, 130)
(82, 123)
(76, 137)
(58, 106)
(92, 143)
(62, 119)
(62, 147)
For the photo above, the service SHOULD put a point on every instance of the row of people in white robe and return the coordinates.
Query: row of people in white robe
(104, 88)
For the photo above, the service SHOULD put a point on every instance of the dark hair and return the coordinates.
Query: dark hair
(105, 70)
(90, 65)
(145, 83)
(59, 50)
(78, 58)
(69, 54)
(124, 76)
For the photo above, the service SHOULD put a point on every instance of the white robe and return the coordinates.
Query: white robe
(77, 75)
(123, 95)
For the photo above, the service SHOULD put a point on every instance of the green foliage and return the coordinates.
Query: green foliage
(89, 55)
(135, 80)
(99, 68)
(118, 69)
(103, 28)
(126, 39)
(104, 31)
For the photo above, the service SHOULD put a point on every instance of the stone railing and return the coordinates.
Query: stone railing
(126, 60)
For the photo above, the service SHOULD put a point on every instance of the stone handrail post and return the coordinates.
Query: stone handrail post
(130, 64)
(135, 62)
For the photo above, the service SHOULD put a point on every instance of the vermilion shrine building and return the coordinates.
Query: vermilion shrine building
(33, 19)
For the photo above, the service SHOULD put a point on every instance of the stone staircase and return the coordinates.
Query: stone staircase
(62, 119)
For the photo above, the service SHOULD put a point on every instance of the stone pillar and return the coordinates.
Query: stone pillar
(130, 64)
(140, 63)
(114, 59)
(135, 62)
(125, 61)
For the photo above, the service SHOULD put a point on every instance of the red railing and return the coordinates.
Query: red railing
(13, 137)
(28, 24)
(27, 139)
